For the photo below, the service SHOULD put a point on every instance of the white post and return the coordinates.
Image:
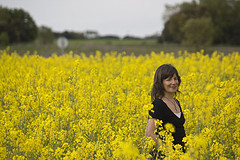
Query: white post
(62, 43)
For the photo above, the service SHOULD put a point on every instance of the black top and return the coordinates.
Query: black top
(162, 112)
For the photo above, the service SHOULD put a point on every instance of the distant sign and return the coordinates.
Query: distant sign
(62, 43)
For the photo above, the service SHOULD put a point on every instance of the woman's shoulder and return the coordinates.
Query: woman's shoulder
(158, 102)
(158, 109)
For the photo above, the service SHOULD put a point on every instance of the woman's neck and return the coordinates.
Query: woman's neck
(169, 95)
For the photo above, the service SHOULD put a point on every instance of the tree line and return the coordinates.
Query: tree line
(203, 22)
(16, 25)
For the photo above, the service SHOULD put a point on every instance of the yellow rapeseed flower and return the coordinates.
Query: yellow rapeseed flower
(96, 107)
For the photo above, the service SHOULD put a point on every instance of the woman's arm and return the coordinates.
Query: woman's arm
(150, 131)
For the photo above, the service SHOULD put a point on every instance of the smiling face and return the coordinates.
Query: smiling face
(171, 84)
(166, 80)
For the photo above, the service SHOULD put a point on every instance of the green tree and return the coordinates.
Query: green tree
(45, 35)
(226, 19)
(4, 39)
(198, 32)
(172, 31)
(225, 15)
(18, 24)
(4, 19)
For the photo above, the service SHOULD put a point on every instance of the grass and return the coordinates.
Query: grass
(138, 47)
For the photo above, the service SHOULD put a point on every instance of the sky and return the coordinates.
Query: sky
(108, 17)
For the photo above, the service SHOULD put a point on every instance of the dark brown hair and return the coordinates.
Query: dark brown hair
(163, 72)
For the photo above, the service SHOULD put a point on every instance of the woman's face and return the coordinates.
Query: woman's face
(171, 84)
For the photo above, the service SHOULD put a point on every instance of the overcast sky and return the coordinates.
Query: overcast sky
(107, 17)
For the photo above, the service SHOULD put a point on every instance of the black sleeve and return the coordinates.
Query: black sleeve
(157, 110)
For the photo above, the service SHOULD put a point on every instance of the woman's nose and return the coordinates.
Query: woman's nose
(174, 81)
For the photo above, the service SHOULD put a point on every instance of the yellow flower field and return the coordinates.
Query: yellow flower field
(96, 107)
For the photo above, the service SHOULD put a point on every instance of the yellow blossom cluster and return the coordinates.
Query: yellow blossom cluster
(96, 107)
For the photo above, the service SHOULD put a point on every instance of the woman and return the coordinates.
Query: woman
(165, 107)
